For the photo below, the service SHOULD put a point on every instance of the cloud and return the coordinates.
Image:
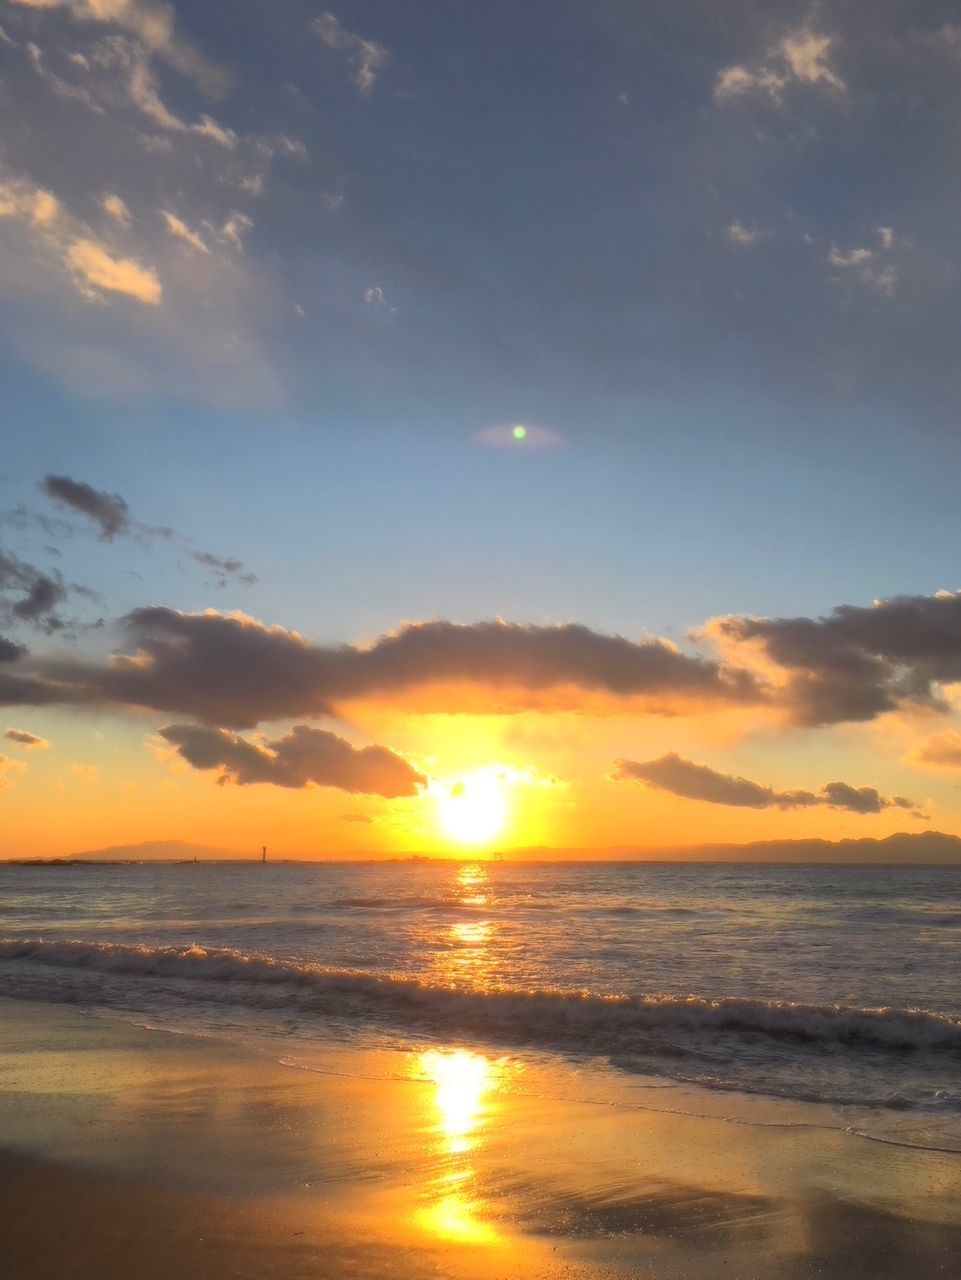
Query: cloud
(224, 568)
(110, 512)
(180, 231)
(854, 258)
(33, 691)
(115, 208)
(118, 67)
(107, 510)
(235, 228)
(368, 58)
(7, 767)
(743, 237)
(86, 772)
(68, 242)
(798, 59)
(943, 750)
(95, 267)
(693, 781)
(28, 740)
(301, 757)
(10, 651)
(28, 595)
(873, 267)
(804, 52)
(232, 670)
(856, 663)
(139, 143)
(153, 25)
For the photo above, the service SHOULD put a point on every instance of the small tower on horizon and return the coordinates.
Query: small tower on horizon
(263, 854)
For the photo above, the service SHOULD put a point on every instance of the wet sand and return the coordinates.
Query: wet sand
(137, 1153)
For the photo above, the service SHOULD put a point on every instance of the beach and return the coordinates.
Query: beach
(138, 1152)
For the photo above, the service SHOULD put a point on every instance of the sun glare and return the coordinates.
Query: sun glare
(472, 809)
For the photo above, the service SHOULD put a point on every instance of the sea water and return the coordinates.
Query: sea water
(838, 985)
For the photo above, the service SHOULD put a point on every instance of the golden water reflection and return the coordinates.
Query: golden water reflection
(472, 885)
(461, 1108)
(461, 1079)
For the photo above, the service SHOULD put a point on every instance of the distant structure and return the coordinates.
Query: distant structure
(263, 854)
(498, 855)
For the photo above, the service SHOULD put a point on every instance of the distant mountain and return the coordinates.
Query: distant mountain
(159, 850)
(902, 847)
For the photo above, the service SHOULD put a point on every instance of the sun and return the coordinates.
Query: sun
(472, 809)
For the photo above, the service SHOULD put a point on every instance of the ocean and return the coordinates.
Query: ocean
(839, 986)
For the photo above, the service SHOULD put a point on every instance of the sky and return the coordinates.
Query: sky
(440, 427)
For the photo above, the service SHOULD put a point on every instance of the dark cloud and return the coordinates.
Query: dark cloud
(111, 514)
(857, 663)
(10, 651)
(234, 671)
(224, 568)
(301, 757)
(24, 739)
(698, 782)
(23, 518)
(107, 510)
(38, 691)
(693, 781)
(29, 595)
(863, 799)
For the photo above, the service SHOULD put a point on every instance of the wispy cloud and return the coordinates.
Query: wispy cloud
(115, 208)
(29, 741)
(942, 751)
(367, 58)
(180, 231)
(872, 266)
(96, 269)
(743, 237)
(9, 767)
(153, 25)
(107, 510)
(31, 596)
(111, 514)
(800, 58)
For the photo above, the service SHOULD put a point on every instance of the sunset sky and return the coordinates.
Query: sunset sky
(279, 287)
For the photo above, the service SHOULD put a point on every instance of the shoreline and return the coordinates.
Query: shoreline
(152, 1149)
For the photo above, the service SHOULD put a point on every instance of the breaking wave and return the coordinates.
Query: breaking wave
(580, 1020)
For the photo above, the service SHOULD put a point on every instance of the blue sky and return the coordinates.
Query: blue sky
(278, 274)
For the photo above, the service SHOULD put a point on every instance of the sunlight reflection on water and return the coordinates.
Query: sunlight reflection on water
(461, 1079)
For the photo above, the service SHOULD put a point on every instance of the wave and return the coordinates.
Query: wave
(577, 1019)
(488, 904)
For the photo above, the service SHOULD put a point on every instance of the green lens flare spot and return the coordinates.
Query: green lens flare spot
(519, 433)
